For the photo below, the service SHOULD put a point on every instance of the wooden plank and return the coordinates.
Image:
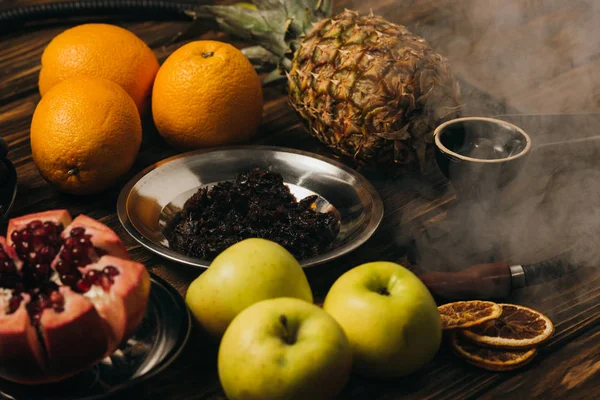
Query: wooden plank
(506, 48)
(574, 373)
(464, 31)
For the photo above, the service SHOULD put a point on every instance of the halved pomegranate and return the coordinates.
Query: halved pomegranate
(69, 296)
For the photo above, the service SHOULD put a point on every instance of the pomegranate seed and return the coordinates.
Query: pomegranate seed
(110, 270)
(26, 236)
(53, 240)
(57, 299)
(35, 224)
(70, 242)
(83, 261)
(8, 266)
(41, 270)
(65, 255)
(31, 257)
(71, 278)
(46, 254)
(62, 267)
(15, 236)
(14, 303)
(78, 231)
(50, 227)
(85, 242)
(83, 286)
(77, 251)
(44, 301)
(22, 247)
(39, 236)
(92, 276)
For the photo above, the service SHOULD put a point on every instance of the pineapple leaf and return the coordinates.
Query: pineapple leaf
(247, 24)
(260, 57)
(274, 77)
(301, 13)
(275, 25)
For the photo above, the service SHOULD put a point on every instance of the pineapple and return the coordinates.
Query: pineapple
(365, 87)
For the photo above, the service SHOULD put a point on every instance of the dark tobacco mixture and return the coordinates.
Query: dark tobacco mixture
(256, 205)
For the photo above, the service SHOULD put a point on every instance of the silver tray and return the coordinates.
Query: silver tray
(149, 202)
(163, 333)
(8, 190)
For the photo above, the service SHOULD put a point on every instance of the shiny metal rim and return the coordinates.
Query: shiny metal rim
(373, 224)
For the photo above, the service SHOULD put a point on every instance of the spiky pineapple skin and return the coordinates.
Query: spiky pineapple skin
(371, 90)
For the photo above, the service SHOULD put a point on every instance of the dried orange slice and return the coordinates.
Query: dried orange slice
(465, 314)
(488, 358)
(518, 327)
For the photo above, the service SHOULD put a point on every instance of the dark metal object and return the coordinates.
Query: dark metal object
(156, 344)
(562, 145)
(495, 280)
(164, 9)
(8, 182)
(8, 189)
(548, 270)
(152, 198)
(480, 155)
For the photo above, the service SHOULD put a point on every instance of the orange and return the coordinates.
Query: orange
(102, 50)
(518, 327)
(490, 358)
(465, 314)
(206, 94)
(85, 134)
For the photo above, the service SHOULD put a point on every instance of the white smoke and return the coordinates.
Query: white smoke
(537, 56)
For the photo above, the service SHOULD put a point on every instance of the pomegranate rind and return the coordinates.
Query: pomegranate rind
(21, 355)
(488, 358)
(57, 216)
(536, 326)
(124, 305)
(67, 342)
(69, 349)
(11, 252)
(466, 314)
(103, 237)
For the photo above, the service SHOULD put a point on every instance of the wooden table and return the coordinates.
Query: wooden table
(535, 57)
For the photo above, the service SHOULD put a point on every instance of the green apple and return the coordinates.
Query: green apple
(389, 317)
(284, 349)
(243, 274)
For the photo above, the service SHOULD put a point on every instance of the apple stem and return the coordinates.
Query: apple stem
(383, 292)
(287, 337)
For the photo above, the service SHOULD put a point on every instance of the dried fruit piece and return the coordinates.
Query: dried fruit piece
(465, 314)
(488, 358)
(258, 204)
(518, 327)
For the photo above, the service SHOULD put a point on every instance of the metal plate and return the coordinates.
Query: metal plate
(150, 200)
(8, 189)
(163, 333)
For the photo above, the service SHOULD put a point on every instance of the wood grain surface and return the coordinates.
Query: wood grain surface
(511, 56)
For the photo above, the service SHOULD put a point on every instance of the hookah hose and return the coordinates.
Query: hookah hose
(158, 8)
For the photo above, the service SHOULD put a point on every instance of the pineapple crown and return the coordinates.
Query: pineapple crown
(275, 27)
